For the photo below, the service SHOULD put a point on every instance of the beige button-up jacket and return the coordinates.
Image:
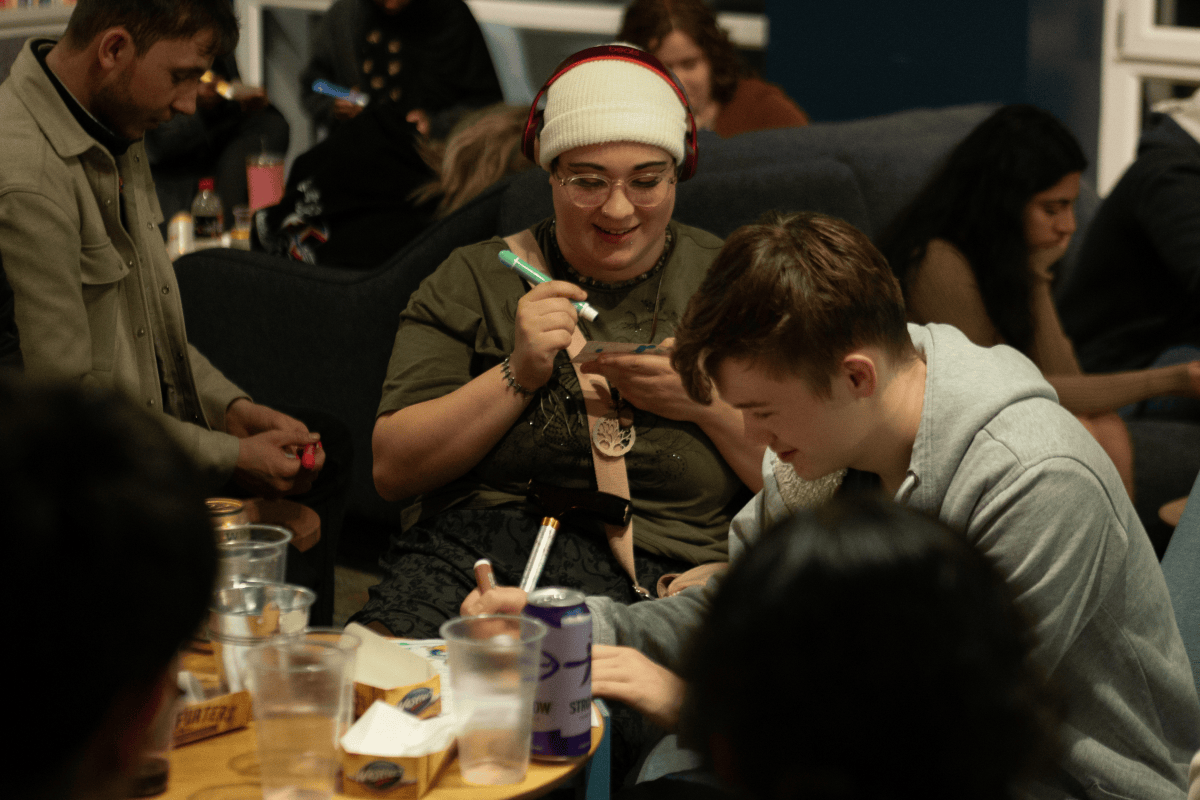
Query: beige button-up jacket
(95, 300)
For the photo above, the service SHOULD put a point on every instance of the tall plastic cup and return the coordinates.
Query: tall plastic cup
(251, 552)
(493, 674)
(350, 644)
(264, 179)
(298, 687)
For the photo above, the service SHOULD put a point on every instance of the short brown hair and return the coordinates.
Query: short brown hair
(647, 22)
(794, 294)
(152, 21)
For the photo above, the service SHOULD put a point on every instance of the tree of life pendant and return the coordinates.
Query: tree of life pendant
(611, 437)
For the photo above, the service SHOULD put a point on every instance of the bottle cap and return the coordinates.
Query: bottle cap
(207, 184)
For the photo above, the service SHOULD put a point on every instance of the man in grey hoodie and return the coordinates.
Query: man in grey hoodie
(800, 324)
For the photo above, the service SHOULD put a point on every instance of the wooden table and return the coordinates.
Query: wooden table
(226, 767)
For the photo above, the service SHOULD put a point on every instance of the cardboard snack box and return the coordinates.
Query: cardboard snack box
(216, 715)
(389, 673)
(391, 754)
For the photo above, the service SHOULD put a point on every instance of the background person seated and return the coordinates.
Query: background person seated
(106, 528)
(483, 147)
(426, 58)
(1130, 300)
(725, 95)
(368, 189)
(978, 249)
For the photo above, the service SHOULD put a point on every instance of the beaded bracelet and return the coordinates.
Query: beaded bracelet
(506, 370)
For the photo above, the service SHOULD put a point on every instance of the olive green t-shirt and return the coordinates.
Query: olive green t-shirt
(461, 322)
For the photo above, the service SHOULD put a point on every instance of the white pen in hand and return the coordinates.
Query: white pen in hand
(532, 274)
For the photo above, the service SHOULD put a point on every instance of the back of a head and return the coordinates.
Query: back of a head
(483, 148)
(867, 651)
(113, 562)
(792, 293)
(151, 21)
(646, 22)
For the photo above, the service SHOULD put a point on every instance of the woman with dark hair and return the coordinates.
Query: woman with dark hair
(724, 95)
(977, 249)
(867, 651)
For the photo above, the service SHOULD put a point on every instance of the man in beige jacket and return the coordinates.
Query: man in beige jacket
(93, 296)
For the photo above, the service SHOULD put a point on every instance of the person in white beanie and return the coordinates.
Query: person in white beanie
(481, 396)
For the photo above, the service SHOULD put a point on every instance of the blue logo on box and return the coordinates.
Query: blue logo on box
(380, 775)
(417, 700)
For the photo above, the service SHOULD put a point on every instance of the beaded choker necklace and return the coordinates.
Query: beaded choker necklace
(560, 261)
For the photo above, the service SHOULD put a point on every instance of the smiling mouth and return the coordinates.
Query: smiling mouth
(615, 234)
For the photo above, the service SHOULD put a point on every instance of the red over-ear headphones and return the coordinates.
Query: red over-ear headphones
(615, 52)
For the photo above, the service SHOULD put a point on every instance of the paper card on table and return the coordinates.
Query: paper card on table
(593, 350)
(394, 675)
(391, 754)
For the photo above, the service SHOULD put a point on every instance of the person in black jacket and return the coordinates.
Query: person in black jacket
(427, 58)
(1133, 298)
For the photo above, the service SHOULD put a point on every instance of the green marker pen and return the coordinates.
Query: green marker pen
(527, 271)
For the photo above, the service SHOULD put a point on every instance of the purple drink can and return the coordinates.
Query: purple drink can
(562, 713)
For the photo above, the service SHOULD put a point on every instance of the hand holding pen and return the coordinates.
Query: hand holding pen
(544, 324)
(536, 277)
(488, 598)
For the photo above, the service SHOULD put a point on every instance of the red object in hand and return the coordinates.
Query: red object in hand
(309, 458)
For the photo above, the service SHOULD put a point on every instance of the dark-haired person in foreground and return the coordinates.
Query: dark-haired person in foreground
(921, 659)
(800, 324)
(111, 547)
(95, 298)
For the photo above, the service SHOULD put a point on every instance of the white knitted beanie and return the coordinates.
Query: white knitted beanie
(611, 100)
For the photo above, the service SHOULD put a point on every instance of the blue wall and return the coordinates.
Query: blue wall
(860, 58)
(1063, 73)
(843, 60)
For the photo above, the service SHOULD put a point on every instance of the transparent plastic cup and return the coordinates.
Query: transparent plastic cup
(239, 234)
(350, 644)
(247, 615)
(493, 673)
(252, 552)
(298, 687)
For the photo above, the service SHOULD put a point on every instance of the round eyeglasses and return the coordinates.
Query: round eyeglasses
(644, 191)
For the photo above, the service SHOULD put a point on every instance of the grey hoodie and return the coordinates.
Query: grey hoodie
(997, 458)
